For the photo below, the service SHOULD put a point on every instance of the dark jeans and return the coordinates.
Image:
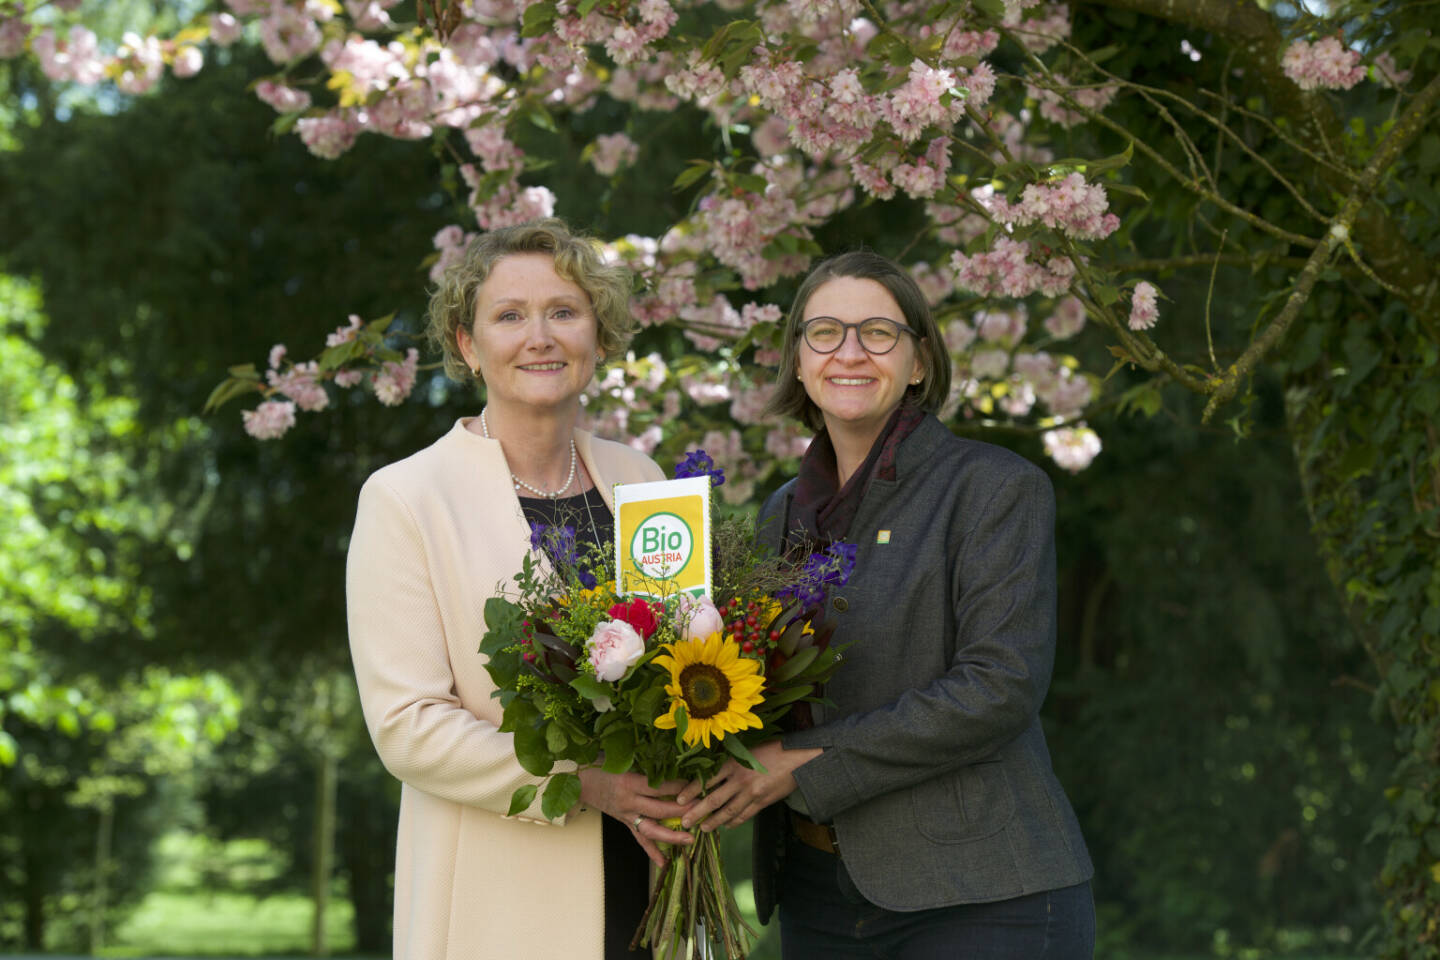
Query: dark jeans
(823, 916)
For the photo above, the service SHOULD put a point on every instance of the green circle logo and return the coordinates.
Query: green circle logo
(662, 546)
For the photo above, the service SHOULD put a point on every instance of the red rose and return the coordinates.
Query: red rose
(639, 614)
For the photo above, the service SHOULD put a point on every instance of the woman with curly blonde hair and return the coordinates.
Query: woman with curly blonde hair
(528, 312)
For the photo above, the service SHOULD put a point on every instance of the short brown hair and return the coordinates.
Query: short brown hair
(790, 398)
(577, 259)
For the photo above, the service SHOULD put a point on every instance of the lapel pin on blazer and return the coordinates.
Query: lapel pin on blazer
(882, 536)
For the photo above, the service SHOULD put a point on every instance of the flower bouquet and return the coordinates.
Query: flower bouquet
(667, 683)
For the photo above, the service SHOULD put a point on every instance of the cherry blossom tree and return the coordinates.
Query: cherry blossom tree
(1103, 228)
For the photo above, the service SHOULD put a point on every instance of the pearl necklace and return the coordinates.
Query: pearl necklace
(485, 428)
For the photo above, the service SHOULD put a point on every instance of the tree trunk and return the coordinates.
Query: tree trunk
(324, 850)
(104, 837)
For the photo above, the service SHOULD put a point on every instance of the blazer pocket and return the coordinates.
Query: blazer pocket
(971, 803)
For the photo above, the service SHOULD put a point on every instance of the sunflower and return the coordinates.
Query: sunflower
(716, 685)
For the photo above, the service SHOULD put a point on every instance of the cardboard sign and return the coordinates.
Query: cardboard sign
(662, 537)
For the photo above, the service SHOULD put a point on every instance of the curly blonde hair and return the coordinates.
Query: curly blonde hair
(577, 259)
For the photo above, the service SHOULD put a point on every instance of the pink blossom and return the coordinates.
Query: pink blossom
(919, 180)
(188, 61)
(288, 34)
(1005, 327)
(301, 384)
(1387, 74)
(284, 99)
(611, 151)
(75, 58)
(345, 334)
(696, 617)
(1071, 206)
(935, 284)
(394, 381)
(141, 64)
(958, 335)
(1018, 397)
(613, 649)
(224, 29)
(1323, 65)
(787, 442)
(1072, 448)
(990, 364)
(270, 420)
(749, 404)
(1067, 320)
(349, 378)
(1040, 33)
(277, 354)
(970, 43)
(330, 135)
(769, 137)
(1143, 309)
(13, 33)
(1053, 108)
(647, 440)
(369, 15)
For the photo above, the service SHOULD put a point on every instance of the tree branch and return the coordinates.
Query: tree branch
(1411, 122)
(1257, 38)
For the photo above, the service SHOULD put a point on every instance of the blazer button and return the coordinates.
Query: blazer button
(842, 604)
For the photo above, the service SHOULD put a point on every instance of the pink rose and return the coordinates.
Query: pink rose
(614, 647)
(696, 617)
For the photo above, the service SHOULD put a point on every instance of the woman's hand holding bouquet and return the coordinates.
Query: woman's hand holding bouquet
(668, 686)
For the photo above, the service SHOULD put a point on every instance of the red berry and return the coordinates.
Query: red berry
(748, 647)
(774, 635)
(750, 621)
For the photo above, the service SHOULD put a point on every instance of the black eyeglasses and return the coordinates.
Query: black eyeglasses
(877, 335)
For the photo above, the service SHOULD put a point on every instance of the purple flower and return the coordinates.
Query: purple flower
(697, 463)
(829, 568)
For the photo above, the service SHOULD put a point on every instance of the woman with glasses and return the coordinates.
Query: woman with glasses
(916, 816)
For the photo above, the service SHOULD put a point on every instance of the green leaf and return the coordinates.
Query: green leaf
(590, 688)
(619, 749)
(227, 391)
(531, 748)
(521, 799)
(586, 6)
(555, 739)
(541, 118)
(682, 723)
(1143, 398)
(794, 665)
(789, 695)
(691, 174)
(992, 8)
(538, 20)
(737, 750)
(561, 793)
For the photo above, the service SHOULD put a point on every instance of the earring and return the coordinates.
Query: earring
(916, 381)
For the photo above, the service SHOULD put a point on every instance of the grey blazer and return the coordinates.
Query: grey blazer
(935, 771)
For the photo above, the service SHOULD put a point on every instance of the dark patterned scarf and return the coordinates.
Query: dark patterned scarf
(821, 513)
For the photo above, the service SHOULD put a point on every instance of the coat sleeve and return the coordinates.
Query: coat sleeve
(1003, 576)
(424, 735)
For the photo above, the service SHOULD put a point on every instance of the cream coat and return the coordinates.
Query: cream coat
(436, 535)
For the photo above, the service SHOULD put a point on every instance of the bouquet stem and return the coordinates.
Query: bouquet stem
(692, 901)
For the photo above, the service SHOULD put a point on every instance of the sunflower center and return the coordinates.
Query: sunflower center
(706, 690)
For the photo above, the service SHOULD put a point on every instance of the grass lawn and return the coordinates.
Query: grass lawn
(174, 923)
